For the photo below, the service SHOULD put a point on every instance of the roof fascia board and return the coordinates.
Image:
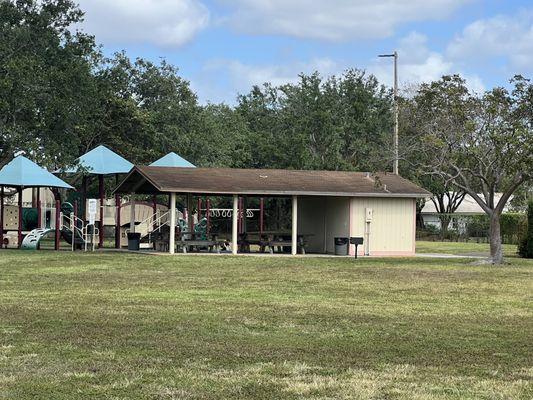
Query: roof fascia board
(143, 175)
(293, 193)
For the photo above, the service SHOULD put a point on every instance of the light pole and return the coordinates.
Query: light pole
(395, 136)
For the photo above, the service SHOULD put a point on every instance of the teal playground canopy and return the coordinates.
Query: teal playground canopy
(21, 172)
(172, 160)
(102, 161)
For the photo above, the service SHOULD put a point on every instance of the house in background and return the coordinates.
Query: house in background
(468, 207)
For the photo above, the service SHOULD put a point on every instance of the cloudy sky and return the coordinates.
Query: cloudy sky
(225, 46)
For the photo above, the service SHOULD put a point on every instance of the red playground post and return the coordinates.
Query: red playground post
(39, 210)
(102, 195)
(58, 211)
(199, 209)
(20, 218)
(117, 223)
(261, 216)
(154, 204)
(208, 215)
(1, 217)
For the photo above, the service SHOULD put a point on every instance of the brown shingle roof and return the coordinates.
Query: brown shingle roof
(274, 182)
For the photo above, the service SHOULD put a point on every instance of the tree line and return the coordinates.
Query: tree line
(60, 97)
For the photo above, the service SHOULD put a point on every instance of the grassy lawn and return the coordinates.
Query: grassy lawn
(120, 326)
(461, 248)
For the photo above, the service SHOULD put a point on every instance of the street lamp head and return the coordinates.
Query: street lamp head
(387, 55)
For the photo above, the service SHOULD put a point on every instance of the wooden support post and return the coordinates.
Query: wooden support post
(294, 244)
(117, 221)
(172, 235)
(1, 217)
(102, 200)
(234, 224)
(261, 216)
(132, 214)
(58, 223)
(20, 217)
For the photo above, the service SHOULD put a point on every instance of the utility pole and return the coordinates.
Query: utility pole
(396, 110)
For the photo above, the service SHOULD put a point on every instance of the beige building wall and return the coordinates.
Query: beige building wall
(391, 230)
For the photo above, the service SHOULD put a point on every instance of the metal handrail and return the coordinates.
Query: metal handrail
(156, 223)
(83, 232)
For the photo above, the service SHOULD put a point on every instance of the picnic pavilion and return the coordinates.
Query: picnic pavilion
(381, 208)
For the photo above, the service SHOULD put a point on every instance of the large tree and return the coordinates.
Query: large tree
(446, 199)
(481, 144)
(46, 82)
(338, 123)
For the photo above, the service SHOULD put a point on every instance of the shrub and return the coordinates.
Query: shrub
(525, 249)
(513, 227)
(477, 226)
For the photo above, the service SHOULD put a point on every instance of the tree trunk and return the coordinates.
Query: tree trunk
(444, 225)
(496, 252)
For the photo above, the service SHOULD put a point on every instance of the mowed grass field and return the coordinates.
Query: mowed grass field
(462, 248)
(123, 326)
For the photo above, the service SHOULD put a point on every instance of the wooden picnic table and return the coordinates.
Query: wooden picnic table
(187, 241)
(272, 240)
(193, 241)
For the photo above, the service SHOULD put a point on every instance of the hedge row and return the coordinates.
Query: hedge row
(525, 248)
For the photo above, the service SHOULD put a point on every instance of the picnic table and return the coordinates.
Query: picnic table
(187, 241)
(272, 240)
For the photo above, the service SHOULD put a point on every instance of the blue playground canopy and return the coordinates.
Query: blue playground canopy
(102, 161)
(21, 172)
(172, 160)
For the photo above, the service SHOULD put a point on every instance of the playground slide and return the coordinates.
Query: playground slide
(31, 240)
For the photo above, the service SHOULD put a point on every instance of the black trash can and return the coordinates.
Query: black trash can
(134, 241)
(341, 246)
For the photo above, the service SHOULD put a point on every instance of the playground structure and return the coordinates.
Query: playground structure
(17, 175)
(324, 205)
(39, 212)
(31, 210)
(101, 162)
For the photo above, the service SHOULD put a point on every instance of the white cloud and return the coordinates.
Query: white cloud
(247, 75)
(510, 37)
(161, 22)
(417, 64)
(223, 79)
(334, 19)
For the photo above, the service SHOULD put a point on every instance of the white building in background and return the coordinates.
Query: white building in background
(468, 207)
